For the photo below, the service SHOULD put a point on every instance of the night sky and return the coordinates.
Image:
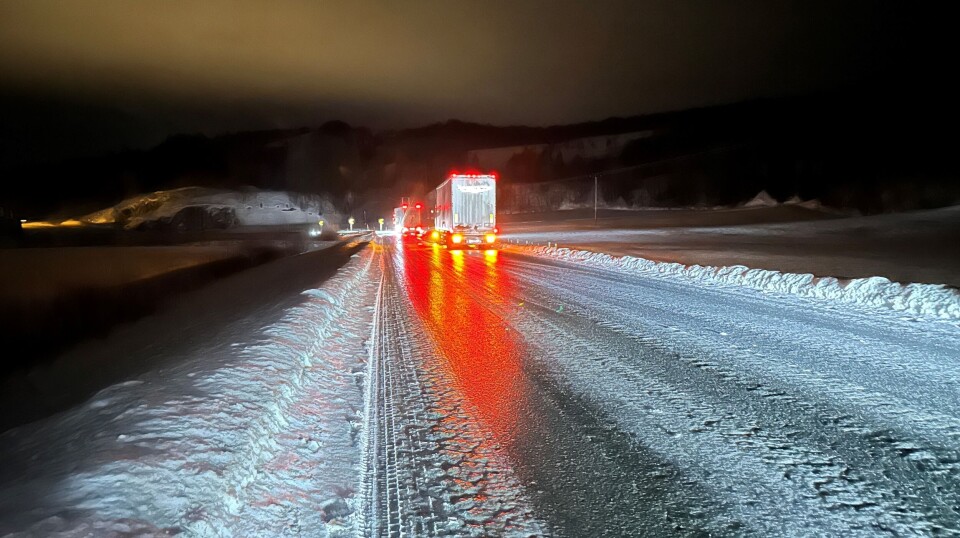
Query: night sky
(81, 77)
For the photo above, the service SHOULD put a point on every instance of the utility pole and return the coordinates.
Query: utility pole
(595, 200)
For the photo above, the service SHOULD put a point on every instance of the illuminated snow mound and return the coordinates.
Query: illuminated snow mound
(763, 199)
(224, 208)
(930, 301)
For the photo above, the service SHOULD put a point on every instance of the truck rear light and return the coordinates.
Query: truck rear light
(405, 229)
(457, 239)
(491, 238)
(434, 235)
(496, 230)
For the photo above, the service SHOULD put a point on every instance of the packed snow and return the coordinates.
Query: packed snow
(435, 464)
(251, 433)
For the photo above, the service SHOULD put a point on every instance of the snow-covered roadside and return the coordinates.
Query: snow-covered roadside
(264, 443)
(930, 301)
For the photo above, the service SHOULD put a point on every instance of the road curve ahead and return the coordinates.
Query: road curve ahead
(512, 395)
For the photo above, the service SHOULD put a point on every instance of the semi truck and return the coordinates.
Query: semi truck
(406, 221)
(465, 211)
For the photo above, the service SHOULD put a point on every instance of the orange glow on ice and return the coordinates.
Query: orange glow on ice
(482, 354)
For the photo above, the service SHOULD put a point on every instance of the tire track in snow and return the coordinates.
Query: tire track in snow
(586, 477)
(433, 468)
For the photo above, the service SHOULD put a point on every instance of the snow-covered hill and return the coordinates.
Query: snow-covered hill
(196, 207)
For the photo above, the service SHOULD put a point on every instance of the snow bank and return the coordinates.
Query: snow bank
(254, 434)
(934, 301)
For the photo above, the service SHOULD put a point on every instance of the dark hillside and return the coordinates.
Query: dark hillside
(872, 151)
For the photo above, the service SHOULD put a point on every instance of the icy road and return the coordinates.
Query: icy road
(427, 392)
(521, 394)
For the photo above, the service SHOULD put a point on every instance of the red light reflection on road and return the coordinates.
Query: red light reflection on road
(482, 352)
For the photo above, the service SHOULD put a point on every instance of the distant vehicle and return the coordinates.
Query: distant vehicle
(465, 211)
(407, 222)
(411, 233)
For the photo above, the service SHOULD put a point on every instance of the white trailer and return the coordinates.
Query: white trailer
(465, 211)
(398, 215)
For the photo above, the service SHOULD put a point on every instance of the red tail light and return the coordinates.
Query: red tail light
(491, 238)
(457, 239)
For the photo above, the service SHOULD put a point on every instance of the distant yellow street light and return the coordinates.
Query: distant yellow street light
(381, 224)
